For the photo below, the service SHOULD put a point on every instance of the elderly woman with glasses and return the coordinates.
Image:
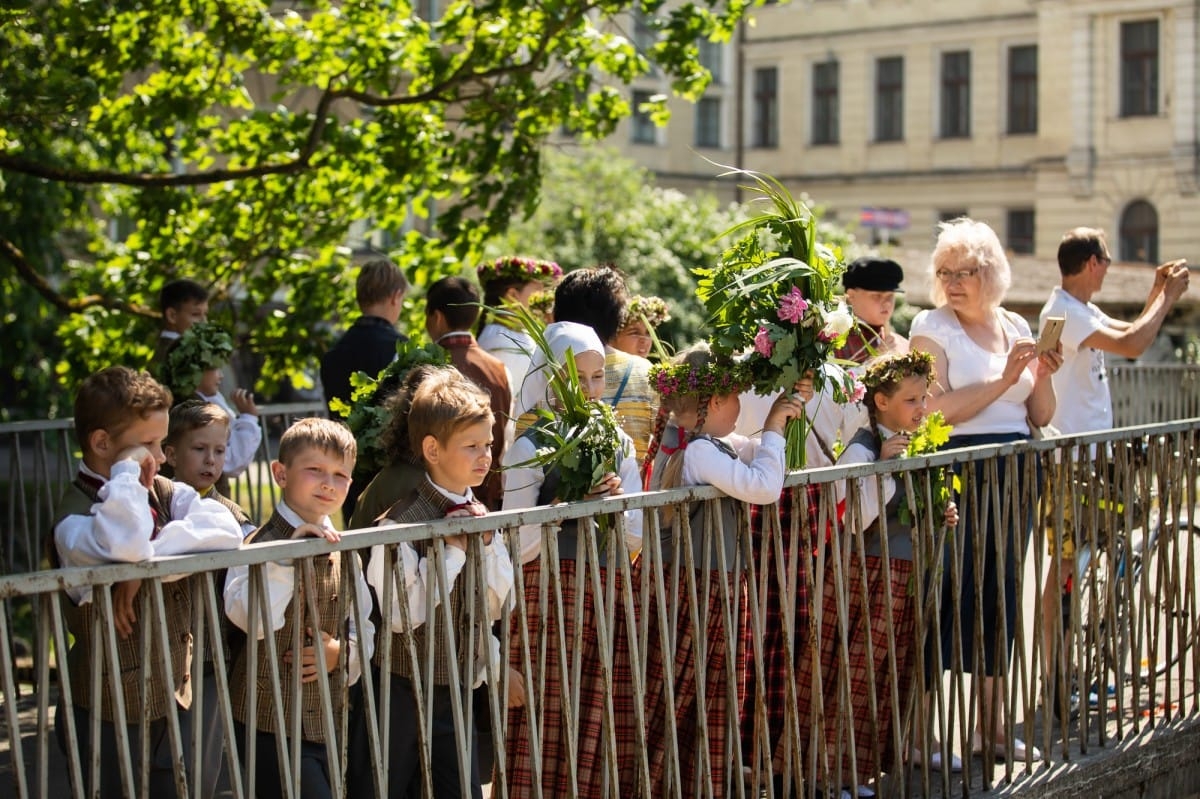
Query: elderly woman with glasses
(991, 384)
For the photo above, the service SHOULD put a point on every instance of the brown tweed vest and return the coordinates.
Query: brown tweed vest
(423, 505)
(331, 611)
(149, 698)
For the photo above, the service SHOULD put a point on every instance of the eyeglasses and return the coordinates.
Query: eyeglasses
(947, 276)
(1104, 259)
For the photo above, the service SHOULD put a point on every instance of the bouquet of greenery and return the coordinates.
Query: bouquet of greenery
(365, 414)
(773, 296)
(579, 437)
(929, 436)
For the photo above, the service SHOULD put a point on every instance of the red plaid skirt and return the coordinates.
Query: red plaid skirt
(848, 686)
(773, 597)
(550, 635)
(715, 649)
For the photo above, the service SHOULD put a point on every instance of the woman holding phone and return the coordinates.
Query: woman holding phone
(991, 384)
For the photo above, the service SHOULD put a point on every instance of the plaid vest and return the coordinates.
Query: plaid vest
(423, 505)
(331, 611)
(149, 698)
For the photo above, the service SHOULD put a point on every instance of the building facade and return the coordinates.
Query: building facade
(1033, 115)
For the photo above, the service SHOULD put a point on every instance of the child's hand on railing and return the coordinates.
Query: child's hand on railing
(317, 531)
(950, 517)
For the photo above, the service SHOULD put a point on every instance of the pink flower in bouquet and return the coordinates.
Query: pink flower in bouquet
(762, 343)
(858, 391)
(792, 306)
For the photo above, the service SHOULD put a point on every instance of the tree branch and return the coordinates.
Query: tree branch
(34, 279)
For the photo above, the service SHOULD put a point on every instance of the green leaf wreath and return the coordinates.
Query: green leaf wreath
(202, 347)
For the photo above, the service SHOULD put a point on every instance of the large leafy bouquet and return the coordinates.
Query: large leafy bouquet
(772, 296)
(930, 435)
(579, 437)
(366, 415)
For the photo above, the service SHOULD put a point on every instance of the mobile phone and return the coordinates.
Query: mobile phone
(1051, 331)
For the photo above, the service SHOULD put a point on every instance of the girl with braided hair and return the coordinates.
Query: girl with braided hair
(693, 444)
(879, 583)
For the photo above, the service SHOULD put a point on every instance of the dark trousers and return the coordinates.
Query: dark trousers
(993, 573)
(268, 774)
(158, 741)
(404, 756)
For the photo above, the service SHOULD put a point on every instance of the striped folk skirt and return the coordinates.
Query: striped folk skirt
(573, 688)
(780, 596)
(709, 683)
(851, 696)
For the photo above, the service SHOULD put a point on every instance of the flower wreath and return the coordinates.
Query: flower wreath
(718, 377)
(652, 310)
(891, 369)
(542, 302)
(518, 268)
(202, 346)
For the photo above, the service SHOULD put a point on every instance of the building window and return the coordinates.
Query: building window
(889, 99)
(825, 103)
(708, 122)
(645, 37)
(766, 107)
(1139, 68)
(956, 95)
(1023, 89)
(712, 59)
(1020, 230)
(1139, 233)
(644, 131)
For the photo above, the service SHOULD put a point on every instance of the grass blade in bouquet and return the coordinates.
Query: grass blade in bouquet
(576, 436)
(772, 299)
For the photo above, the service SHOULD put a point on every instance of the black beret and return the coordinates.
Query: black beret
(873, 274)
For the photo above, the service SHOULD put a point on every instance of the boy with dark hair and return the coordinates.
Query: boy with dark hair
(182, 303)
(316, 459)
(597, 298)
(450, 427)
(370, 343)
(451, 310)
(119, 510)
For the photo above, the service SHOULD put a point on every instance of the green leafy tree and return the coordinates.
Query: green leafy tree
(238, 141)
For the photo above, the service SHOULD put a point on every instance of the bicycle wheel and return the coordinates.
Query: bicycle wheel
(1103, 632)
(1165, 625)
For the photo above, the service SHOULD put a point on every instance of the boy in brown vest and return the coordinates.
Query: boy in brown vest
(195, 446)
(450, 426)
(119, 510)
(316, 459)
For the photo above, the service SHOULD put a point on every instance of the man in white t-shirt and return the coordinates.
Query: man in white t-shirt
(1085, 403)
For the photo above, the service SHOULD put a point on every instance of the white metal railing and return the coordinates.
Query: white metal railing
(624, 720)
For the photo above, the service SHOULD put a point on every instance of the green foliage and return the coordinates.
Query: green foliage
(366, 415)
(929, 437)
(579, 437)
(202, 347)
(237, 141)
